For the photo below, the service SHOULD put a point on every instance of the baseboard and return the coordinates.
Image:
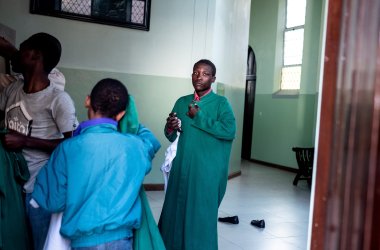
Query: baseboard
(160, 187)
(234, 174)
(289, 169)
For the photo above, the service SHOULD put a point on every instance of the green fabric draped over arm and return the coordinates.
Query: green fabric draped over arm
(130, 121)
(147, 237)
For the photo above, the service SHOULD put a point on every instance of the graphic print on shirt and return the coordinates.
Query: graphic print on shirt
(18, 119)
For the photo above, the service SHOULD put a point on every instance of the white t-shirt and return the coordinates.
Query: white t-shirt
(46, 114)
(55, 76)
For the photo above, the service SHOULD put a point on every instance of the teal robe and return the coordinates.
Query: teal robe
(199, 173)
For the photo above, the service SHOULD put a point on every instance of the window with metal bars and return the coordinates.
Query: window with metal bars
(293, 44)
(125, 13)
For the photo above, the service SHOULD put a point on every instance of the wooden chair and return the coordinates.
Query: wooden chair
(305, 158)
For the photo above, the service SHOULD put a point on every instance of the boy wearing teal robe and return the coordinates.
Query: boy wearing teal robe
(95, 177)
(199, 172)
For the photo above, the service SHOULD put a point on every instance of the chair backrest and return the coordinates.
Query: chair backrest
(305, 158)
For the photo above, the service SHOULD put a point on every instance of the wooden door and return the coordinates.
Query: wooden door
(347, 186)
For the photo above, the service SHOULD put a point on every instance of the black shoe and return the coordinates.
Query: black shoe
(232, 219)
(258, 223)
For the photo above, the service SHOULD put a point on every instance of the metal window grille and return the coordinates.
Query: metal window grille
(138, 11)
(124, 13)
(82, 7)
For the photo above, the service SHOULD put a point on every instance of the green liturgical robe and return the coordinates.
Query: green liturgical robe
(199, 173)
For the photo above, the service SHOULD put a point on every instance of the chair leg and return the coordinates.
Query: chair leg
(295, 181)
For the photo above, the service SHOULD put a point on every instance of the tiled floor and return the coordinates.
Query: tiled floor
(261, 192)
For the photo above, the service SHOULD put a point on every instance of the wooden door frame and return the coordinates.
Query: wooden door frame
(342, 168)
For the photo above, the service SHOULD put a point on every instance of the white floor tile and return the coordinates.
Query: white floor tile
(261, 192)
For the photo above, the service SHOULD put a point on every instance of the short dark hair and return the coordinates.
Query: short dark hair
(109, 97)
(209, 63)
(48, 45)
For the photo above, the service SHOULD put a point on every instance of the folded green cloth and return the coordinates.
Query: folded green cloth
(14, 173)
(147, 237)
(130, 121)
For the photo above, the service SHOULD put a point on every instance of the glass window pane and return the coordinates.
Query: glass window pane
(293, 47)
(138, 11)
(82, 7)
(115, 10)
(291, 77)
(295, 13)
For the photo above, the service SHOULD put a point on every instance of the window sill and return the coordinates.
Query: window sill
(287, 93)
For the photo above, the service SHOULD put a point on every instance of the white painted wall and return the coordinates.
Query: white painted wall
(177, 37)
(181, 32)
(230, 41)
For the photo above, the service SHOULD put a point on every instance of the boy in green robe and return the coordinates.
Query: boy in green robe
(199, 172)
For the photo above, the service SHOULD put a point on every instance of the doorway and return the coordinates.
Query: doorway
(249, 105)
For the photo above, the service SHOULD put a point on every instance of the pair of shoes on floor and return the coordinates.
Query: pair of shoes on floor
(258, 223)
(231, 219)
(235, 220)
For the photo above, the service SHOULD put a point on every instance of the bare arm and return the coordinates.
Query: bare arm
(7, 49)
(17, 141)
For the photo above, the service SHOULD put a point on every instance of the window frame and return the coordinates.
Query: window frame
(34, 9)
(287, 29)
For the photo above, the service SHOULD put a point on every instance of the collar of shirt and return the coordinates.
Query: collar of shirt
(198, 98)
(93, 122)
